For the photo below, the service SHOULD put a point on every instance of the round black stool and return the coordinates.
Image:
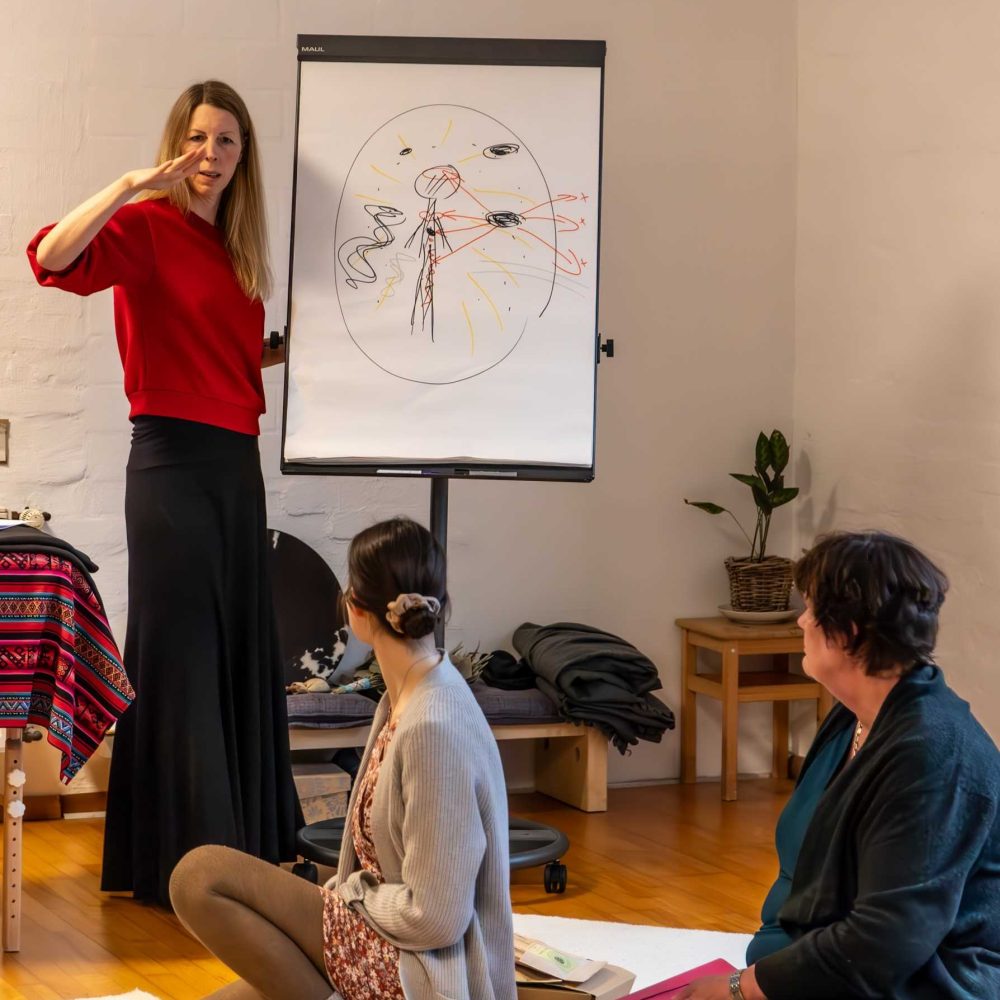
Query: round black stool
(534, 844)
(318, 842)
(531, 844)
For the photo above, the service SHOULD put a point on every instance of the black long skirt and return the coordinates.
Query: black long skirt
(201, 757)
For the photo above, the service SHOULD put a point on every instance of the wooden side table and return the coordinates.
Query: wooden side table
(733, 640)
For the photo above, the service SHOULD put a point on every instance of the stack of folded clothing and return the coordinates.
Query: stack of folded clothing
(597, 678)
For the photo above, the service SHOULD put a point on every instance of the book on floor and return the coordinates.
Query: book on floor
(672, 987)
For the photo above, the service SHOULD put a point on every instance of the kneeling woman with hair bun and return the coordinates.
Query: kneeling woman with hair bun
(420, 907)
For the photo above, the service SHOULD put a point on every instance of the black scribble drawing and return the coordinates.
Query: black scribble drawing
(434, 183)
(501, 149)
(353, 253)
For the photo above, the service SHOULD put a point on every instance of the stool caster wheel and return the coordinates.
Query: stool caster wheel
(306, 870)
(555, 877)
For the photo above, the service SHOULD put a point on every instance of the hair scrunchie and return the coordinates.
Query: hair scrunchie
(403, 603)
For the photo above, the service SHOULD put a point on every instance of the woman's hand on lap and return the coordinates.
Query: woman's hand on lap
(717, 988)
(709, 988)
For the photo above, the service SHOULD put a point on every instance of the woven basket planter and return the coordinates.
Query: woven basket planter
(760, 586)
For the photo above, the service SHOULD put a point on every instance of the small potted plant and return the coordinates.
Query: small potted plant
(759, 582)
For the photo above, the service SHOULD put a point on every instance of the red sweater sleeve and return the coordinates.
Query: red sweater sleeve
(120, 254)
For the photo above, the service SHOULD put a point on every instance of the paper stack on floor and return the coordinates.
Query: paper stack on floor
(652, 953)
(547, 973)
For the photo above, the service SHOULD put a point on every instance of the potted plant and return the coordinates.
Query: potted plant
(759, 582)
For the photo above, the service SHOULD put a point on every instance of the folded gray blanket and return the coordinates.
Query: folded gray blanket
(597, 678)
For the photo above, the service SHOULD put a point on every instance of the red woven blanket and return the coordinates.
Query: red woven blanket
(59, 665)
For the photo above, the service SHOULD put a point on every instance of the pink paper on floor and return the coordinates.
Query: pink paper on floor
(671, 987)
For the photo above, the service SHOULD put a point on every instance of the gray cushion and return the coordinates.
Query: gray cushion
(510, 708)
(329, 711)
(341, 711)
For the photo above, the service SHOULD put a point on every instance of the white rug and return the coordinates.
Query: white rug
(652, 953)
(134, 995)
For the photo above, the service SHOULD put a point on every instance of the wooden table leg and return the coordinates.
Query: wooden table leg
(730, 720)
(779, 725)
(779, 735)
(689, 712)
(12, 846)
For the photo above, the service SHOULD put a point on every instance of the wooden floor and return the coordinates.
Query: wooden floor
(671, 855)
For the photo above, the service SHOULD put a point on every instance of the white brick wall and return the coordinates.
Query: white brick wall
(697, 277)
(897, 358)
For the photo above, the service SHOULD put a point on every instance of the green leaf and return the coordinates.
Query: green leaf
(779, 450)
(762, 499)
(762, 452)
(780, 497)
(705, 505)
(761, 492)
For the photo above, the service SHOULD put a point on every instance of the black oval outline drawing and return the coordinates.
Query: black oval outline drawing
(555, 244)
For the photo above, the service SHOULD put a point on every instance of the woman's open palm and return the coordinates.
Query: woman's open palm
(167, 174)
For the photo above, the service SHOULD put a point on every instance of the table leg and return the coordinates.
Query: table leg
(779, 735)
(689, 712)
(730, 720)
(12, 846)
(779, 725)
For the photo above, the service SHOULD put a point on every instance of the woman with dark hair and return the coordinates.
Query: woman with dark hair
(420, 906)
(202, 755)
(889, 847)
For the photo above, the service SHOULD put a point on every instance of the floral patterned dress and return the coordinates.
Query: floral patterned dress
(360, 963)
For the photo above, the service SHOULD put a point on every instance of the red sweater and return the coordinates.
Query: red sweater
(189, 338)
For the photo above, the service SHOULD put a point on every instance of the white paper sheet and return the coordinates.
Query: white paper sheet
(445, 262)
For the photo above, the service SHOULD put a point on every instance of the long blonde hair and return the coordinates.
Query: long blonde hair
(241, 211)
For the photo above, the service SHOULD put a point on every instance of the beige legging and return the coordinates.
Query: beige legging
(264, 923)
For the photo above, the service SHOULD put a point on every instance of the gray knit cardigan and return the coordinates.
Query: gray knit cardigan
(439, 824)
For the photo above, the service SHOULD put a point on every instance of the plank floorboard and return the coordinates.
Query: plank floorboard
(674, 855)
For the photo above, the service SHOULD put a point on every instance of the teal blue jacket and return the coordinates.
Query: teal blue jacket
(896, 890)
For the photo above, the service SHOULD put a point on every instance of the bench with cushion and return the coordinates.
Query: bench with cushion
(571, 762)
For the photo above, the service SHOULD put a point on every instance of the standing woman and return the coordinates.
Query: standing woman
(202, 756)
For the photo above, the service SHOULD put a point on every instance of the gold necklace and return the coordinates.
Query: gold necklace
(858, 732)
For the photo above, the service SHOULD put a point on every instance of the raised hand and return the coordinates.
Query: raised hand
(68, 238)
(167, 174)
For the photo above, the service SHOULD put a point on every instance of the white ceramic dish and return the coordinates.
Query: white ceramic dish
(759, 617)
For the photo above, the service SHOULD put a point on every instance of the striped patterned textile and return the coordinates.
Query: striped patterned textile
(59, 665)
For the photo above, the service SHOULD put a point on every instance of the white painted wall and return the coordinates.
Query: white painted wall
(897, 392)
(697, 289)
